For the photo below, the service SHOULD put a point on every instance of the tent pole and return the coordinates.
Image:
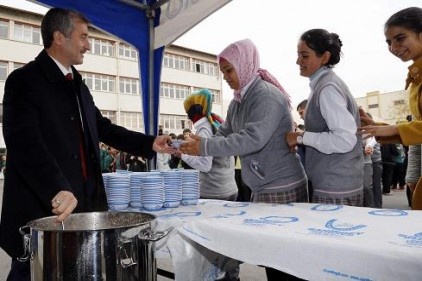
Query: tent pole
(152, 127)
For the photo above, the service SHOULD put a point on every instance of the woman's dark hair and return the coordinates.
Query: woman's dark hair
(409, 18)
(58, 19)
(321, 41)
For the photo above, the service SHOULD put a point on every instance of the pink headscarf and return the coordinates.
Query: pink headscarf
(244, 57)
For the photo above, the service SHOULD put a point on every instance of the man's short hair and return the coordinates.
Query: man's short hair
(302, 104)
(58, 19)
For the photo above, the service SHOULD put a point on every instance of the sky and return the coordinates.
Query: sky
(275, 27)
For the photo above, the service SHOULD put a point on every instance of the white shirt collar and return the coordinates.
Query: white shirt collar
(62, 68)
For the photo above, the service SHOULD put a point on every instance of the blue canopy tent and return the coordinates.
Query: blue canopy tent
(148, 25)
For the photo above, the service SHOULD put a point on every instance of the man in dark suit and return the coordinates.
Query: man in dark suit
(52, 129)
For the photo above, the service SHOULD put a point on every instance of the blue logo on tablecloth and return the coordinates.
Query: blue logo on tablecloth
(345, 275)
(389, 213)
(326, 207)
(180, 215)
(337, 229)
(225, 216)
(412, 240)
(271, 220)
(236, 205)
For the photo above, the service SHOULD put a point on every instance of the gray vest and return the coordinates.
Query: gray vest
(219, 182)
(336, 172)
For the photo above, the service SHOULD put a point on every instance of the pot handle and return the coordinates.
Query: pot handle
(126, 259)
(154, 236)
(26, 244)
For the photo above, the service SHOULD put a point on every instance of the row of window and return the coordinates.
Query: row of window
(190, 64)
(134, 121)
(95, 82)
(4, 66)
(173, 123)
(396, 103)
(32, 34)
(106, 83)
(175, 91)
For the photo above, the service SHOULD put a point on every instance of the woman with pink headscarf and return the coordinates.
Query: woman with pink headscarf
(257, 120)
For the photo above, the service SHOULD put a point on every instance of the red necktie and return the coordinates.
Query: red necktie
(69, 77)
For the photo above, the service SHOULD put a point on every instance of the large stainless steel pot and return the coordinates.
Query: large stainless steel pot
(93, 246)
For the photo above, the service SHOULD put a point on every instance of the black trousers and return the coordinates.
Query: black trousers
(19, 271)
(275, 275)
(244, 192)
(387, 176)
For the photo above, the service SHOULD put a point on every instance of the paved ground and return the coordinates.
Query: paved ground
(247, 272)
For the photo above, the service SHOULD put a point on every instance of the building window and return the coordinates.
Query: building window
(17, 65)
(101, 47)
(398, 102)
(174, 91)
(175, 61)
(205, 67)
(132, 120)
(4, 29)
(3, 70)
(27, 33)
(127, 52)
(373, 106)
(216, 95)
(99, 82)
(173, 123)
(128, 85)
(110, 115)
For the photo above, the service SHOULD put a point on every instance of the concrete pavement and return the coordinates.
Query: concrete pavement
(247, 272)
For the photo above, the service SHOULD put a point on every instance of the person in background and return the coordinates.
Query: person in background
(301, 148)
(403, 33)
(258, 117)
(186, 133)
(3, 165)
(109, 161)
(52, 131)
(388, 154)
(216, 173)
(103, 157)
(136, 163)
(244, 193)
(301, 127)
(368, 170)
(376, 172)
(413, 166)
(174, 160)
(186, 136)
(399, 176)
(334, 158)
(163, 159)
(301, 108)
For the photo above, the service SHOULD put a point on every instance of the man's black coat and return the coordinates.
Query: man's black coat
(42, 131)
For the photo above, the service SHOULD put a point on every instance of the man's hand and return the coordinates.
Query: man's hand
(63, 204)
(161, 144)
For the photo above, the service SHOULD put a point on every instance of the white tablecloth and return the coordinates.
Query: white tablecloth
(314, 242)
